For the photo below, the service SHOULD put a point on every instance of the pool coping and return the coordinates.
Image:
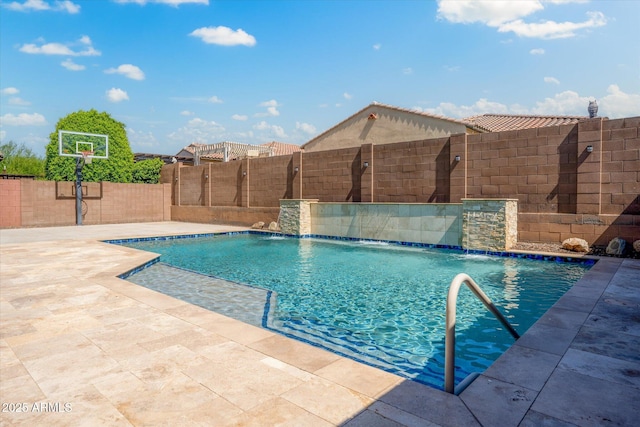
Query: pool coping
(549, 376)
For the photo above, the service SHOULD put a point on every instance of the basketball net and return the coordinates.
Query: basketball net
(86, 158)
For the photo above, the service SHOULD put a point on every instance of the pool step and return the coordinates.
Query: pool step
(238, 301)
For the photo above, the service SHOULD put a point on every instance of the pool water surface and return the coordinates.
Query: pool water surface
(379, 303)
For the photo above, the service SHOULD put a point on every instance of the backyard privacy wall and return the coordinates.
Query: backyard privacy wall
(563, 189)
(30, 203)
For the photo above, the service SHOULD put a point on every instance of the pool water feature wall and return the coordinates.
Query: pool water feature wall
(489, 224)
(295, 216)
(475, 224)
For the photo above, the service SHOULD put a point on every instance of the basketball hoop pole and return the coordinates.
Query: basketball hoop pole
(79, 165)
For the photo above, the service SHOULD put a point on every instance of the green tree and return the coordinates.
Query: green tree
(147, 171)
(20, 160)
(117, 168)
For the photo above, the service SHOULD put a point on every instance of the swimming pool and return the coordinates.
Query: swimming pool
(378, 303)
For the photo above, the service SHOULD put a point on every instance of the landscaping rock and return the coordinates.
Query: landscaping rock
(273, 226)
(636, 246)
(258, 224)
(576, 245)
(616, 246)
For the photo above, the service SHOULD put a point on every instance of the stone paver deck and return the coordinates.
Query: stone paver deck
(78, 346)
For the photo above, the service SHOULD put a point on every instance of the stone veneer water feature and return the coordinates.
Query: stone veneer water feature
(489, 224)
(474, 224)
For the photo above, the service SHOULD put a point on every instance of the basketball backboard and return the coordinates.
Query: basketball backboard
(74, 144)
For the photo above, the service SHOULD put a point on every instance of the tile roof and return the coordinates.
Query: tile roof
(282, 148)
(504, 122)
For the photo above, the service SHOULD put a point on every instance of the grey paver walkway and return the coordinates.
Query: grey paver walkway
(79, 346)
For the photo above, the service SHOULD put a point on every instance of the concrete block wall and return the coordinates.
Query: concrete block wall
(412, 172)
(233, 215)
(10, 203)
(562, 189)
(270, 179)
(194, 185)
(41, 206)
(537, 166)
(332, 176)
(620, 172)
(130, 203)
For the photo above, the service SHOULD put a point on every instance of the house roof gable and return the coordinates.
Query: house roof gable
(379, 105)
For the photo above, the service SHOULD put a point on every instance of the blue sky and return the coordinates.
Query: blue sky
(182, 71)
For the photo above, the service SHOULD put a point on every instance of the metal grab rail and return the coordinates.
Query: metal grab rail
(450, 334)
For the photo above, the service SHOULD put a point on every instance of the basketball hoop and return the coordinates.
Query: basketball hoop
(86, 157)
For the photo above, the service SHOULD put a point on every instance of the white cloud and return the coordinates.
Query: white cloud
(347, 95)
(204, 124)
(239, 117)
(507, 16)
(537, 51)
(261, 126)
(174, 3)
(552, 29)
(23, 119)
(481, 106)
(551, 80)
(141, 139)
(490, 12)
(224, 36)
(18, 101)
(187, 113)
(408, 70)
(72, 66)
(10, 91)
(377, 46)
(39, 5)
(278, 131)
(61, 49)
(306, 128)
(270, 129)
(565, 103)
(215, 100)
(199, 130)
(272, 108)
(68, 6)
(618, 104)
(117, 95)
(127, 70)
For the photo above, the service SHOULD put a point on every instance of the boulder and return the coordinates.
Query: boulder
(575, 244)
(258, 224)
(273, 226)
(636, 246)
(616, 246)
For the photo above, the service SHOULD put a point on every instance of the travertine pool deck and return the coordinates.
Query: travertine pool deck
(78, 346)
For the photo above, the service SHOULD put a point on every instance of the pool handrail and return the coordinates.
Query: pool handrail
(450, 332)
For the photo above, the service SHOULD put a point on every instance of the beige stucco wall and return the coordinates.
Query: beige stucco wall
(390, 126)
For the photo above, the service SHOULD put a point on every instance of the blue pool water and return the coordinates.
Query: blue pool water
(381, 304)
